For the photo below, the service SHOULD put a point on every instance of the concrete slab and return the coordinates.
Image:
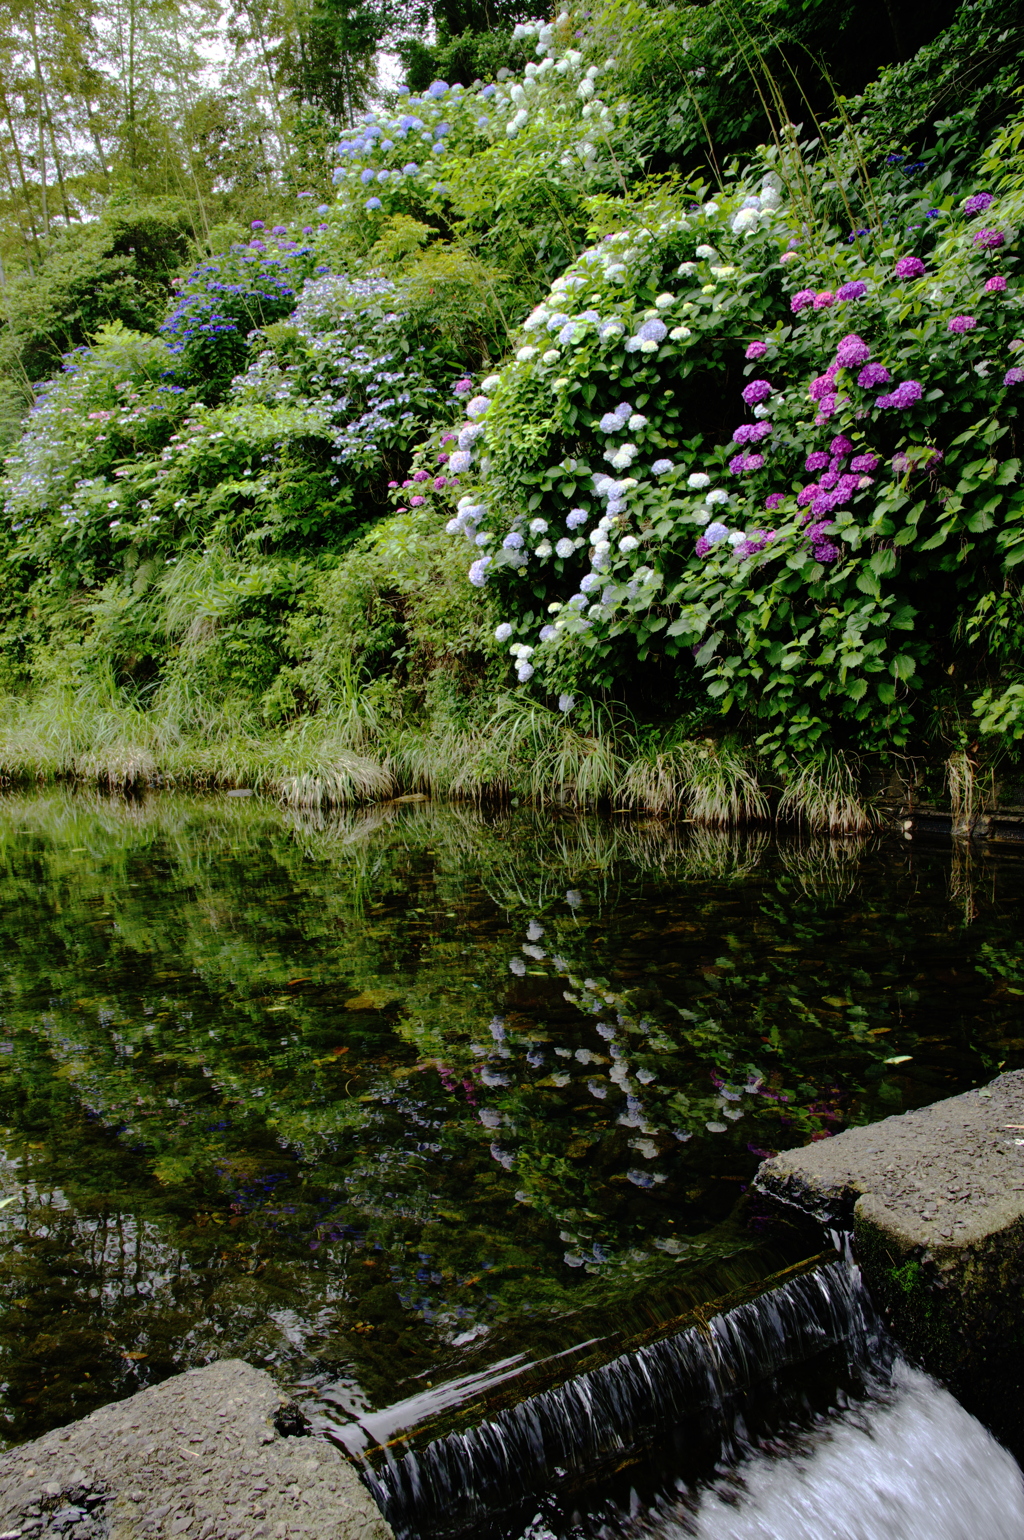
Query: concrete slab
(213, 1454)
(935, 1201)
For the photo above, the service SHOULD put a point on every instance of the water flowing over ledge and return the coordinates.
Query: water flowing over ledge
(695, 1388)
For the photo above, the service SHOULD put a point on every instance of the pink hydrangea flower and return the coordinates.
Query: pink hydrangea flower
(823, 300)
(910, 267)
(961, 323)
(990, 240)
(788, 256)
(801, 299)
(416, 502)
(1014, 377)
(757, 350)
(996, 284)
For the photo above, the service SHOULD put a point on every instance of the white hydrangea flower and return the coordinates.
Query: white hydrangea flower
(637, 422)
(544, 549)
(717, 498)
(502, 632)
(680, 333)
(628, 543)
(564, 548)
(706, 253)
(737, 537)
(702, 516)
(525, 354)
(663, 301)
(686, 269)
(551, 356)
(698, 480)
(711, 208)
(491, 384)
(648, 347)
(745, 222)
(538, 526)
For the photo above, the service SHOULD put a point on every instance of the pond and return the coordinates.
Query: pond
(390, 1099)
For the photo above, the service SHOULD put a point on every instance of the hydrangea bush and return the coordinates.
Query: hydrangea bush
(807, 558)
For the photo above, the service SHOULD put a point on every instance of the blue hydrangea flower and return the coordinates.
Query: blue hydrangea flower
(503, 632)
(610, 423)
(366, 176)
(410, 168)
(576, 517)
(513, 541)
(589, 583)
(373, 203)
(661, 467)
(716, 533)
(652, 331)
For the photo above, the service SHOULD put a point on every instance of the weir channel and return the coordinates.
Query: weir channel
(449, 1122)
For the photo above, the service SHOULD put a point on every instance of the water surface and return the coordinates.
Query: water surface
(385, 1100)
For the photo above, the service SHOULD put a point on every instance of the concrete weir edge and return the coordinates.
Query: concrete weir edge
(934, 1199)
(216, 1453)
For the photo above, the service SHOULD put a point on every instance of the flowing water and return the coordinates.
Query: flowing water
(435, 1112)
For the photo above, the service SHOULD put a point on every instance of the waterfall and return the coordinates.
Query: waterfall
(695, 1386)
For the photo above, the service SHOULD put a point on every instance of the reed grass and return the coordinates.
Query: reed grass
(597, 757)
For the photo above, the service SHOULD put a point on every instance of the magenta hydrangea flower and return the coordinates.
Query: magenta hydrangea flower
(866, 465)
(961, 323)
(702, 547)
(841, 445)
(415, 502)
(823, 385)
(853, 350)
(823, 300)
(801, 299)
(846, 486)
(977, 203)
(420, 475)
(817, 460)
(990, 240)
(855, 290)
(744, 433)
(1014, 377)
(996, 284)
(829, 480)
(775, 500)
(807, 494)
(910, 267)
(756, 350)
(903, 396)
(755, 462)
(826, 409)
(462, 387)
(440, 481)
(817, 531)
(873, 374)
(756, 391)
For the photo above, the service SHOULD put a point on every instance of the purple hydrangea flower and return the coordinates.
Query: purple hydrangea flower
(873, 374)
(977, 203)
(478, 571)
(652, 331)
(817, 460)
(756, 350)
(996, 284)
(513, 541)
(1014, 377)
(279, 230)
(775, 499)
(737, 465)
(801, 299)
(853, 350)
(866, 465)
(961, 323)
(826, 409)
(757, 390)
(910, 267)
(855, 290)
(257, 224)
(823, 385)
(576, 517)
(903, 396)
(807, 494)
(716, 533)
(841, 445)
(825, 551)
(990, 240)
(755, 541)
(755, 462)
(702, 547)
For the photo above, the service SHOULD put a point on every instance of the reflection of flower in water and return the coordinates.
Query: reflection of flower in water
(503, 1157)
(536, 952)
(597, 1089)
(534, 931)
(573, 898)
(518, 967)
(716, 1128)
(645, 1147)
(535, 1058)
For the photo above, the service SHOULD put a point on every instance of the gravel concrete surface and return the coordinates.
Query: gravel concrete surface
(948, 1175)
(213, 1454)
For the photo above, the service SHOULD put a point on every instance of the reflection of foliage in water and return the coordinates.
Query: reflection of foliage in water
(256, 1050)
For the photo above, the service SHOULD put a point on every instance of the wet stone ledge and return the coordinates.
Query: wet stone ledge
(935, 1201)
(212, 1454)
